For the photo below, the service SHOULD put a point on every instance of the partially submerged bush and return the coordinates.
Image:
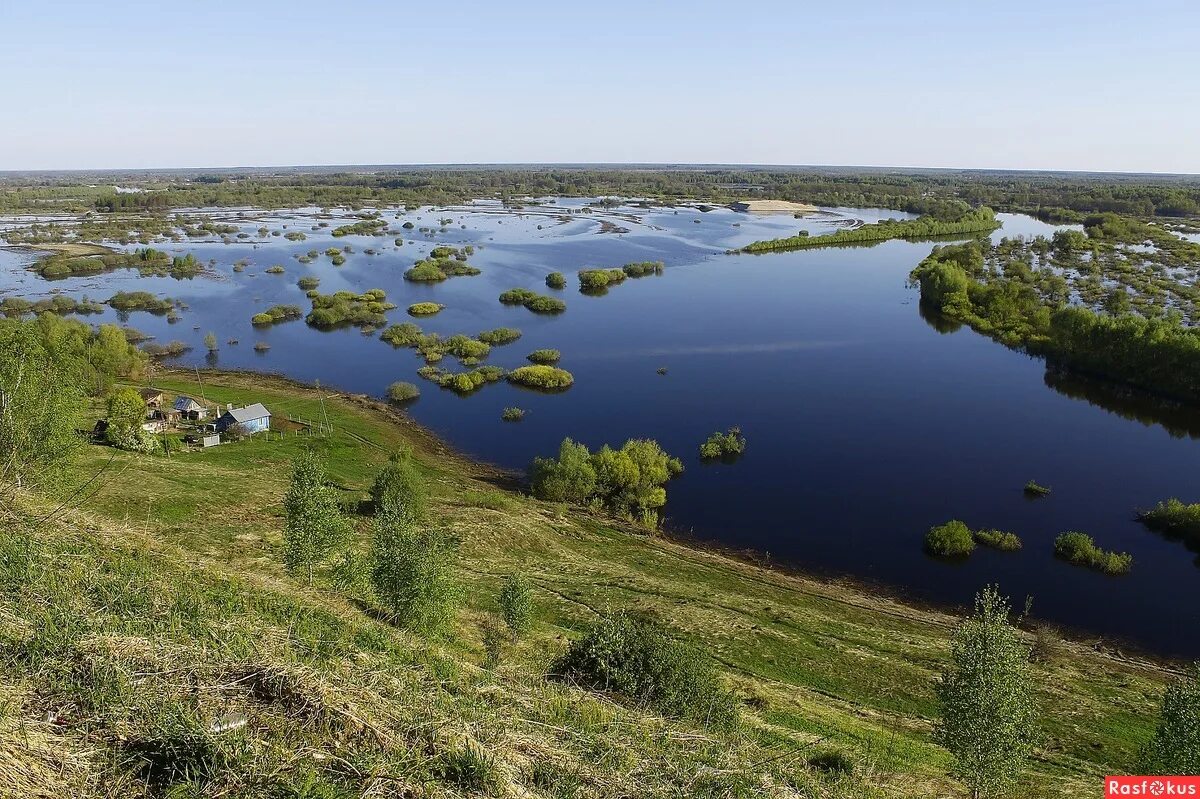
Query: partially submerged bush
(405, 334)
(140, 301)
(1080, 549)
(635, 656)
(1174, 519)
(347, 308)
(424, 308)
(308, 283)
(950, 540)
(276, 314)
(1033, 489)
(400, 391)
(433, 270)
(544, 357)
(512, 414)
(724, 445)
(538, 303)
(998, 539)
(556, 280)
(499, 336)
(549, 378)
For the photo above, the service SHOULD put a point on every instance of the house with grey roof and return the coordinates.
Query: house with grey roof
(252, 418)
(188, 408)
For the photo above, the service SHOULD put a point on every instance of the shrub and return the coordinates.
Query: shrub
(399, 488)
(140, 301)
(643, 268)
(1080, 549)
(402, 335)
(276, 314)
(308, 283)
(628, 481)
(512, 414)
(724, 445)
(556, 280)
(347, 308)
(597, 280)
(412, 572)
(538, 303)
(548, 378)
(262, 346)
(499, 336)
(275, 270)
(1033, 489)
(634, 655)
(1175, 519)
(401, 391)
(950, 540)
(516, 604)
(545, 357)
(998, 539)
(425, 272)
(424, 308)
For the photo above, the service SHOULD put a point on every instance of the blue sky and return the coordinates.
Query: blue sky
(1056, 84)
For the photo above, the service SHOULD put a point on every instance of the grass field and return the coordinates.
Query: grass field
(189, 619)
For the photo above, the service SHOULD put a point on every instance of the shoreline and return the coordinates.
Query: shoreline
(863, 592)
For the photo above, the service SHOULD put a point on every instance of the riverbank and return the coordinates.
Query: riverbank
(818, 665)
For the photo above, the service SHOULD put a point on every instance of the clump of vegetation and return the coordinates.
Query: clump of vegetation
(140, 301)
(729, 444)
(546, 357)
(499, 336)
(512, 414)
(516, 605)
(635, 656)
(434, 270)
(548, 378)
(276, 314)
(598, 280)
(347, 308)
(262, 346)
(1033, 489)
(629, 482)
(556, 280)
(295, 235)
(1080, 549)
(172, 349)
(643, 268)
(275, 270)
(538, 303)
(950, 540)
(405, 334)
(1174, 519)
(998, 539)
(424, 308)
(401, 391)
(367, 227)
(977, 220)
(61, 304)
(462, 382)
(308, 283)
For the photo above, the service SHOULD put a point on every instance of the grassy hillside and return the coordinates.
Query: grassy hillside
(151, 644)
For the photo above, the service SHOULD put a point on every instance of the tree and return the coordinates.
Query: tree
(314, 525)
(516, 605)
(126, 414)
(412, 571)
(399, 487)
(1175, 747)
(39, 395)
(210, 342)
(570, 478)
(986, 699)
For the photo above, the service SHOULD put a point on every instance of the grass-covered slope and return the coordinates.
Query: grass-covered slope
(151, 644)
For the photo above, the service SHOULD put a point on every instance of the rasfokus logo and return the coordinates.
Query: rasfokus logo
(1151, 786)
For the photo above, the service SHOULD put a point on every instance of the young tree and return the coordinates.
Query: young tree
(569, 478)
(516, 605)
(986, 699)
(1175, 747)
(412, 572)
(399, 488)
(314, 525)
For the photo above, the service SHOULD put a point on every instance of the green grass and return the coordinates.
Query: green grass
(161, 607)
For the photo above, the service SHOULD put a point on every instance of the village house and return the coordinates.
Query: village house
(152, 397)
(252, 418)
(188, 408)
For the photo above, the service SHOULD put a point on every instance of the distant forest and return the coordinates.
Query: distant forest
(1056, 197)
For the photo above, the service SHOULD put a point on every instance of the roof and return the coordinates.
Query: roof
(183, 403)
(248, 414)
(150, 393)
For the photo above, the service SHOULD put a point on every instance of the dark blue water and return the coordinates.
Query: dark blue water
(865, 424)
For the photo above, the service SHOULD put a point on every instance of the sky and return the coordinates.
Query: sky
(1054, 84)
